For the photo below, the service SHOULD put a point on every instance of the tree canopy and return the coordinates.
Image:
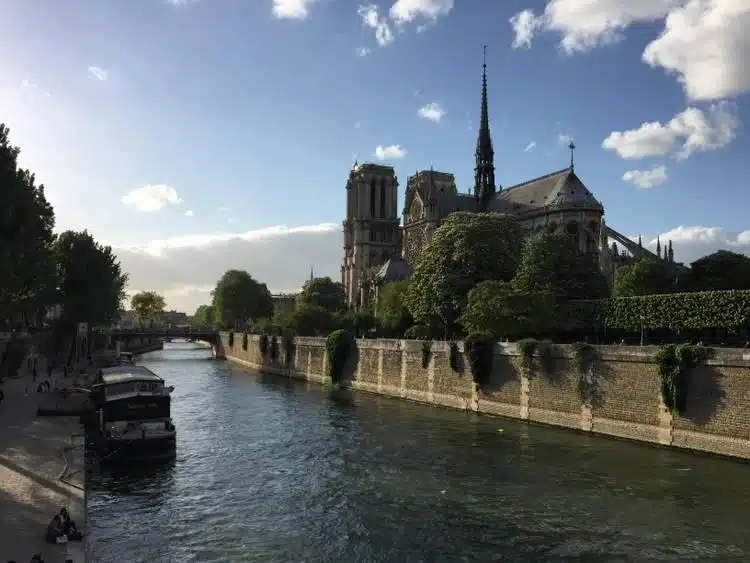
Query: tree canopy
(392, 313)
(90, 279)
(719, 271)
(204, 317)
(27, 272)
(322, 292)
(239, 299)
(148, 307)
(644, 277)
(467, 248)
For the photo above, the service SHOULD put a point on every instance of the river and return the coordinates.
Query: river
(277, 471)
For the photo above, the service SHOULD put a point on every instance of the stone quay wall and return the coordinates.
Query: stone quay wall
(626, 401)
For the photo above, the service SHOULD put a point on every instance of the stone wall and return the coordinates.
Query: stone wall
(625, 398)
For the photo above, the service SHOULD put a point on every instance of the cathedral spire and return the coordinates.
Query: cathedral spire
(670, 252)
(484, 167)
(658, 247)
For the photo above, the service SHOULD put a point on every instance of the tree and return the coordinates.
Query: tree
(148, 306)
(322, 292)
(721, 270)
(551, 263)
(467, 248)
(27, 273)
(392, 313)
(90, 279)
(238, 299)
(644, 277)
(204, 316)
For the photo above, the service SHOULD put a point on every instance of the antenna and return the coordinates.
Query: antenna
(572, 148)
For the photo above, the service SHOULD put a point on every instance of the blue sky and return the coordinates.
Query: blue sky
(202, 135)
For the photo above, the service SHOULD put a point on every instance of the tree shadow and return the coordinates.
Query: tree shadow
(590, 384)
(705, 394)
(504, 371)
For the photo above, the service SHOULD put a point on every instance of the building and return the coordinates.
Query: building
(378, 249)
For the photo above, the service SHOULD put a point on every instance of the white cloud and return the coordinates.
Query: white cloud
(704, 42)
(152, 197)
(524, 24)
(364, 51)
(34, 88)
(530, 146)
(647, 178)
(432, 111)
(98, 73)
(189, 213)
(292, 9)
(564, 139)
(371, 18)
(390, 152)
(692, 130)
(691, 243)
(185, 269)
(406, 11)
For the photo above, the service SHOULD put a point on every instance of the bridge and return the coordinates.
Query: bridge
(207, 334)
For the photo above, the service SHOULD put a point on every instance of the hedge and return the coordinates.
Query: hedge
(673, 311)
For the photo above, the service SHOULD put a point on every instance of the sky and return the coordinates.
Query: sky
(195, 136)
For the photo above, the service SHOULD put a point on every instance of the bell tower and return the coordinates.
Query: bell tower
(372, 232)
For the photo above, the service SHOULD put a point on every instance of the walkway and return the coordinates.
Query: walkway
(31, 464)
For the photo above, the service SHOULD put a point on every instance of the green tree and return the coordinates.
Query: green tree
(644, 277)
(322, 292)
(467, 248)
(719, 271)
(148, 307)
(27, 272)
(238, 299)
(358, 323)
(204, 316)
(551, 263)
(392, 314)
(90, 279)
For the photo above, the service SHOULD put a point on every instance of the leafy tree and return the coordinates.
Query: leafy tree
(356, 322)
(204, 316)
(644, 277)
(322, 292)
(90, 279)
(497, 308)
(551, 263)
(238, 299)
(467, 248)
(27, 272)
(392, 313)
(148, 306)
(719, 271)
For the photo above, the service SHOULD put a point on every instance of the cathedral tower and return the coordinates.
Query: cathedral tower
(371, 230)
(484, 167)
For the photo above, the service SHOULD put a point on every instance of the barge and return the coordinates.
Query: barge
(133, 416)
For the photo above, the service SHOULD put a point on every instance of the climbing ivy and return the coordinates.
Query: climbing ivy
(527, 348)
(244, 341)
(339, 346)
(585, 357)
(426, 353)
(479, 348)
(274, 349)
(453, 357)
(263, 345)
(675, 362)
(231, 339)
(287, 341)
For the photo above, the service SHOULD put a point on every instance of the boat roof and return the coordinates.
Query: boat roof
(121, 374)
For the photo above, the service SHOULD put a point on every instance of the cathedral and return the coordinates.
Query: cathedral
(378, 249)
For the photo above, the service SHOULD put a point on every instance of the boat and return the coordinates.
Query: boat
(126, 358)
(132, 419)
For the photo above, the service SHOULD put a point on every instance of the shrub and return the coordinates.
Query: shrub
(527, 348)
(231, 339)
(263, 345)
(453, 357)
(244, 341)
(479, 348)
(287, 341)
(584, 358)
(339, 345)
(274, 349)
(426, 353)
(417, 332)
(675, 362)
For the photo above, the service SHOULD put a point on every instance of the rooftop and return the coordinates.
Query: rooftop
(122, 374)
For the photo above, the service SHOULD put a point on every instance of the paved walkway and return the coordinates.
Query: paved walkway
(37, 476)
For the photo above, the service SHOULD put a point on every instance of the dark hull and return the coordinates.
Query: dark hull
(135, 451)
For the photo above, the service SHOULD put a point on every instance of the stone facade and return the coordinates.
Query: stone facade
(627, 403)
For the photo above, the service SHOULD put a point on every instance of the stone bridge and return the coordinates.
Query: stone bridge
(144, 336)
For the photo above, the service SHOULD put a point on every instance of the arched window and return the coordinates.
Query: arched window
(571, 228)
(383, 209)
(372, 197)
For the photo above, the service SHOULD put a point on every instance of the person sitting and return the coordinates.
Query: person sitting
(69, 526)
(55, 531)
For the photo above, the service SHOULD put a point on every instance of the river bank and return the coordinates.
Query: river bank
(41, 470)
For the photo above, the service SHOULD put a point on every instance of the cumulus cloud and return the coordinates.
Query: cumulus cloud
(390, 152)
(152, 197)
(691, 243)
(402, 13)
(371, 19)
(432, 112)
(647, 178)
(703, 42)
(185, 269)
(692, 130)
(292, 9)
(98, 73)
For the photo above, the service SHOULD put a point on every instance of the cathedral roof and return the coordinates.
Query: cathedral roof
(561, 189)
(395, 269)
